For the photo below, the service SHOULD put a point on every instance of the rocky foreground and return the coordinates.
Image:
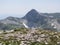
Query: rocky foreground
(30, 37)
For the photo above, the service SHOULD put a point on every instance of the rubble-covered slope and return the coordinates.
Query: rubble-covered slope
(30, 37)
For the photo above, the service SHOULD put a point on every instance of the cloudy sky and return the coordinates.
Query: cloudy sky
(21, 7)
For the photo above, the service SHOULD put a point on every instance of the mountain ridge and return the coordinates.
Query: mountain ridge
(32, 19)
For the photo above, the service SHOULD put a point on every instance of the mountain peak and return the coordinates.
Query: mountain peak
(33, 11)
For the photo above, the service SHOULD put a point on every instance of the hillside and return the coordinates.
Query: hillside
(25, 36)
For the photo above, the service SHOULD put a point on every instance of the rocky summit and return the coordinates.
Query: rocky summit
(25, 36)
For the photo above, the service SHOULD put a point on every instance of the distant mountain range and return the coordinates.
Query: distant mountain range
(33, 19)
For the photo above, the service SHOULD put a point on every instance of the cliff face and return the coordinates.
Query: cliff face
(35, 19)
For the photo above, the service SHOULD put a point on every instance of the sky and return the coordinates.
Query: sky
(19, 8)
